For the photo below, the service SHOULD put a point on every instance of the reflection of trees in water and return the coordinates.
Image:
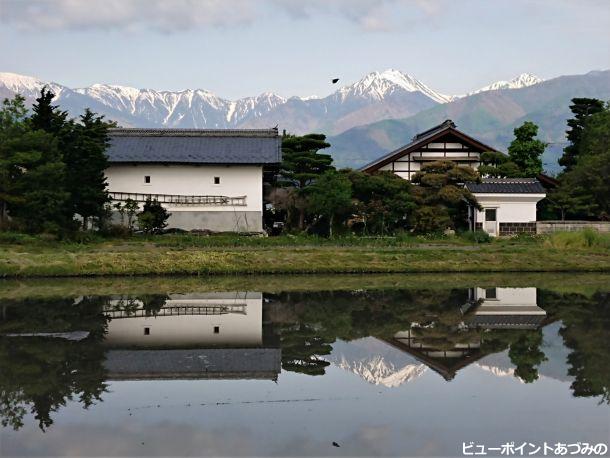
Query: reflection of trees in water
(435, 318)
(40, 374)
(586, 331)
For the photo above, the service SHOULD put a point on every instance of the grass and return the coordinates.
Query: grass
(27, 256)
(30, 288)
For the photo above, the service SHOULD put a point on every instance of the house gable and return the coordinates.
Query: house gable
(441, 143)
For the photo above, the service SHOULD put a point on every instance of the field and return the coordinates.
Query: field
(27, 256)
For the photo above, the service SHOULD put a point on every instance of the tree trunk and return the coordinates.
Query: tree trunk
(330, 225)
(301, 219)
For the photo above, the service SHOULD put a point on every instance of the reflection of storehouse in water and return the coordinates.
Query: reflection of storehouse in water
(509, 205)
(213, 335)
(207, 179)
(488, 308)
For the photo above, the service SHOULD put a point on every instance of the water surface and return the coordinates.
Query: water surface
(382, 365)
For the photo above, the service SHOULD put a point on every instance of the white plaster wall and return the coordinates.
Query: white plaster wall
(511, 208)
(186, 330)
(235, 181)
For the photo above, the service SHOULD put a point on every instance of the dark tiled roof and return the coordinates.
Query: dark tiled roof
(194, 146)
(195, 363)
(507, 186)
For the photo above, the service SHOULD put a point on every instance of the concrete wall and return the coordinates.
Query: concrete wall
(545, 227)
(189, 180)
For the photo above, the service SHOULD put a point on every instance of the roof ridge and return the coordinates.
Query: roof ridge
(163, 132)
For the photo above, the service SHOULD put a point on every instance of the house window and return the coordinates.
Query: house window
(146, 331)
(216, 180)
(491, 293)
(147, 179)
(216, 329)
(490, 214)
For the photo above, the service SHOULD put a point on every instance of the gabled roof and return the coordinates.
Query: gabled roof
(194, 146)
(507, 186)
(428, 136)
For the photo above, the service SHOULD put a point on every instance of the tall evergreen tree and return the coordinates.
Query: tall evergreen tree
(86, 161)
(31, 172)
(525, 151)
(46, 116)
(582, 108)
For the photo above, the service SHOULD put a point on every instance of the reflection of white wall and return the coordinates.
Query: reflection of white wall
(518, 301)
(234, 329)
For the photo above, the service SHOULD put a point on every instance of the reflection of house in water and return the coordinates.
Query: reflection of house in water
(213, 335)
(488, 308)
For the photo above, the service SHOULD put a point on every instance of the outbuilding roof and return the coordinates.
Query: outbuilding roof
(507, 186)
(194, 146)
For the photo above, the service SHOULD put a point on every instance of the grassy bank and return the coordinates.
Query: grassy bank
(23, 256)
(31, 288)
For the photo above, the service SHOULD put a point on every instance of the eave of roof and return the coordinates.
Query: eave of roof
(506, 186)
(421, 139)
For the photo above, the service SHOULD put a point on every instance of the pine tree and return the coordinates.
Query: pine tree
(526, 150)
(302, 164)
(582, 108)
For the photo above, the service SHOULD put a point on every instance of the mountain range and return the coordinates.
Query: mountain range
(376, 114)
(377, 96)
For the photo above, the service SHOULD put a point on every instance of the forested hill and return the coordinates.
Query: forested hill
(488, 116)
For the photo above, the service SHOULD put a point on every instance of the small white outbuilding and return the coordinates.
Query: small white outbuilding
(509, 205)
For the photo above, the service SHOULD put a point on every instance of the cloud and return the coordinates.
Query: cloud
(180, 15)
(161, 15)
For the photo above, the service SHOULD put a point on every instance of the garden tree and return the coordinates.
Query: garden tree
(382, 201)
(330, 196)
(441, 197)
(83, 146)
(498, 165)
(153, 217)
(302, 347)
(525, 151)
(584, 189)
(526, 355)
(41, 374)
(86, 162)
(31, 172)
(582, 108)
(302, 164)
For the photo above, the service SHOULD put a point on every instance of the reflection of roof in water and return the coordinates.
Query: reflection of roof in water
(507, 321)
(214, 363)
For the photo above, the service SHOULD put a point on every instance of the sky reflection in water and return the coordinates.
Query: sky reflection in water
(405, 372)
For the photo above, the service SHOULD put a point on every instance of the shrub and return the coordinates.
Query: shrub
(477, 236)
(153, 217)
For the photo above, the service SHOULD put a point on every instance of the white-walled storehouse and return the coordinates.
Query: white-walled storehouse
(207, 179)
(509, 205)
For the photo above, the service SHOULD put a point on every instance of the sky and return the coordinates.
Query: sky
(238, 48)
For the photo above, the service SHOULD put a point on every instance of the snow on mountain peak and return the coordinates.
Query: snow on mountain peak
(376, 85)
(518, 82)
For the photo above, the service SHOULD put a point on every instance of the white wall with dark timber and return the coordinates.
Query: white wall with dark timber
(191, 180)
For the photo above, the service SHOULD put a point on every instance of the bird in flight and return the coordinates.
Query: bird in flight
(335, 80)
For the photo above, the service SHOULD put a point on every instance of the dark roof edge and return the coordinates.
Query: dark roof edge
(140, 132)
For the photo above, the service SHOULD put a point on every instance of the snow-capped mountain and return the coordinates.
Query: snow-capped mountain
(378, 86)
(523, 80)
(377, 96)
(376, 362)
